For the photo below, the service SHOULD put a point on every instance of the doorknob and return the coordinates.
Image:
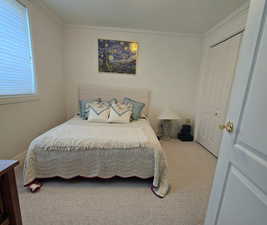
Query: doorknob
(229, 126)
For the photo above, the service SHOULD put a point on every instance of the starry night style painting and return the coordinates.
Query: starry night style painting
(117, 56)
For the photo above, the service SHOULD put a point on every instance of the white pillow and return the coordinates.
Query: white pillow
(120, 113)
(98, 112)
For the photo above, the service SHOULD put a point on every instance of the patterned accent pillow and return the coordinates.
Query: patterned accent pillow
(98, 112)
(111, 101)
(98, 107)
(120, 113)
(137, 107)
(84, 107)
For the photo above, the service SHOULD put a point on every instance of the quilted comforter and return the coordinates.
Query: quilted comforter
(79, 148)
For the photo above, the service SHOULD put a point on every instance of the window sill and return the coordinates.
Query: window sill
(4, 100)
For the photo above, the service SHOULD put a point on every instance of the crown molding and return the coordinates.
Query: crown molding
(243, 10)
(126, 30)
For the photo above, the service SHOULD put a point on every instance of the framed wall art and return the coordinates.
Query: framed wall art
(117, 56)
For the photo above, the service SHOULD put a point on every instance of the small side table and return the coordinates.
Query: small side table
(165, 126)
(166, 118)
(9, 202)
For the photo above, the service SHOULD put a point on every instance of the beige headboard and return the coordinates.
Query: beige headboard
(88, 91)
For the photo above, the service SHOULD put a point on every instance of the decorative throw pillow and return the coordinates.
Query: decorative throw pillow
(137, 107)
(85, 107)
(120, 113)
(98, 112)
(111, 101)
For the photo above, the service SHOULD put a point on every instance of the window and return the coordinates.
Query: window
(16, 62)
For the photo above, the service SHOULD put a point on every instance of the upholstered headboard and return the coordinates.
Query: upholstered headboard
(88, 91)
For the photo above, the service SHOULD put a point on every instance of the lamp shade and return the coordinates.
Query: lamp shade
(167, 114)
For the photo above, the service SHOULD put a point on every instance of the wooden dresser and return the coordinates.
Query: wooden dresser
(9, 201)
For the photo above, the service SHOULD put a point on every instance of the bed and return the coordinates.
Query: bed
(104, 150)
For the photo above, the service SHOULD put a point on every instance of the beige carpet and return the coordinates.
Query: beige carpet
(126, 201)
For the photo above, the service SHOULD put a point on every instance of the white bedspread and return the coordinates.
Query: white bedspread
(80, 148)
(93, 135)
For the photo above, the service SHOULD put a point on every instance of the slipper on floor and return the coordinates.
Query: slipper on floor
(34, 187)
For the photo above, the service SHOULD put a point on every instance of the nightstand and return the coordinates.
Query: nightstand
(166, 117)
(9, 201)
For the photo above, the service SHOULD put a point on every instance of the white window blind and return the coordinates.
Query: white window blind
(16, 64)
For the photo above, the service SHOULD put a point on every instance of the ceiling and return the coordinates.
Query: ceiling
(183, 16)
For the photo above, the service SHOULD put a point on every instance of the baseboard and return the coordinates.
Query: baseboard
(20, 157)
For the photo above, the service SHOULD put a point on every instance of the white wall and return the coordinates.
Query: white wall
(21, 122)
(168, 65)
(224, 29)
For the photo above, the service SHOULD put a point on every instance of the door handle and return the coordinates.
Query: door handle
(229, 126)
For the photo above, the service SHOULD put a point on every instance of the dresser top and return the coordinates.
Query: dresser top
(5, 165)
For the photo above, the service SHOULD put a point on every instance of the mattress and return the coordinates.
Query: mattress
(80, 148)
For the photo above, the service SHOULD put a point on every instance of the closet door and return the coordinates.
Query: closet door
(222, 60)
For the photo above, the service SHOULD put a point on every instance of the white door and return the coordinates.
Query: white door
(222, 62)
(239, 194)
